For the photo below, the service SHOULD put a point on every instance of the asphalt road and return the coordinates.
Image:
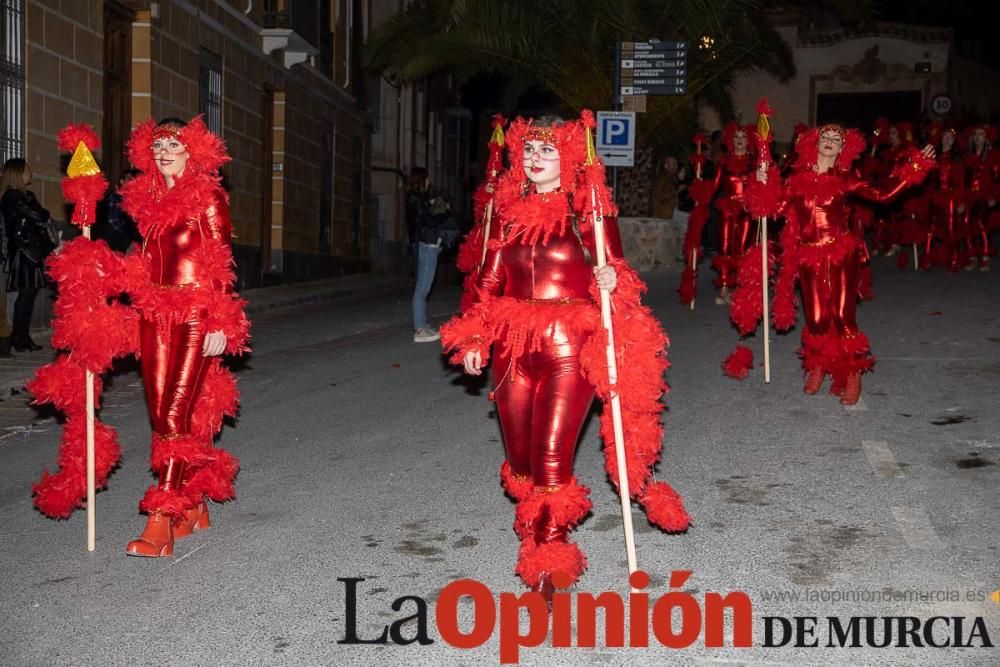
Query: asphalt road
(364, 456)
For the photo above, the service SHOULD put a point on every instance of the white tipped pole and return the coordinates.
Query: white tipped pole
(764, 289)
(91, 474)
(616, 406)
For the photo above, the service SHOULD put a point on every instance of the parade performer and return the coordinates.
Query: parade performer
(731, 177)
(182, 286)
(947, 202)
(822, 252)
(536, 311)
(701, 190)
(183, 315)
(901, 220)
(982, 183)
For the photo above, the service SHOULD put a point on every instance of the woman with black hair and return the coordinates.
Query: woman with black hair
(31, 239)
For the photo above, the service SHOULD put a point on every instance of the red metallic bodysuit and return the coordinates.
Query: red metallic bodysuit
(542, 397)
(829, 250)
(820, 249)
(173, 366)
(982, 182)
(536, 309)
(731, 178)
(947, 196)
(182, 282)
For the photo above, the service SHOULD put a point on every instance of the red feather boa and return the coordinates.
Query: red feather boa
(84, 192)
(739, 363)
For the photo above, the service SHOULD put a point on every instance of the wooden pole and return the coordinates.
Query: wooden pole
(694, 269)
(916, 258)
(764, 288)
(616, 406)
(488, 216)
(91, 474)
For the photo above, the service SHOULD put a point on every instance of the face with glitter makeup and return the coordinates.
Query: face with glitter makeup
(171, 157)
(947, 141)
(740, 142)
(978, 138)
(894, 136)
(542, 165)
(830, 144)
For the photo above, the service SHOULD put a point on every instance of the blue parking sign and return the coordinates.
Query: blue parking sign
(615, 131)
(616, 138)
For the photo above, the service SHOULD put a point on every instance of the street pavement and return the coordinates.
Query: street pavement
(364, 456)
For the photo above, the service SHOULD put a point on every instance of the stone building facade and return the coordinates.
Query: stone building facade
(320, 149)
(890, 70)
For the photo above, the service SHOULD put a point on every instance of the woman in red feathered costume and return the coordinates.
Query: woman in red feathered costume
(732, 174)
(822, 252)
(982, 186)
(181, 283)
(947, 204)
(536, 309)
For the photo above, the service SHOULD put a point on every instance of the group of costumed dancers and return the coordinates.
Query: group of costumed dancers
(821, 201)
(549, 301)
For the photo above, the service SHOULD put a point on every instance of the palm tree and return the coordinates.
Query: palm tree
(567, 48)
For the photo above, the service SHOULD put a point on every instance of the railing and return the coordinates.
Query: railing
(11, 79)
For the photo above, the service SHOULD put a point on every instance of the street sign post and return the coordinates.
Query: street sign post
(652, 68)
(616, 138)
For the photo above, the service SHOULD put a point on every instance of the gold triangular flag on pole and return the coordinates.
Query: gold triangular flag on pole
(82, 163)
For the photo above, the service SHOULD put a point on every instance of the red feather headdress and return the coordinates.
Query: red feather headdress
(807, 147)
(207, 152)
(729, 133)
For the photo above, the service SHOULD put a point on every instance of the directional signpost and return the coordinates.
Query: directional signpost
(643, 68)
(652, 68)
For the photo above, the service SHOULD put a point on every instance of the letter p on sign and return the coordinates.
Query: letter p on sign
(615, 132)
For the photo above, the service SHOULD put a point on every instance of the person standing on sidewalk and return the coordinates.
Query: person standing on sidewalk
(427, 216)
(32, 239)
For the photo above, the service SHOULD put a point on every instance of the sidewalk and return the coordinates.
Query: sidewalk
(15, 371)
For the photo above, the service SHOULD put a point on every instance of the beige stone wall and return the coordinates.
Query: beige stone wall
(652, 243)
(63, 83)
(311, 103)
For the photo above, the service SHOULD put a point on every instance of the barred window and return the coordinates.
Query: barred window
(11, 79)
(210, 90)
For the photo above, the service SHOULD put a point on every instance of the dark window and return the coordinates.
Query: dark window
(11, 79)
(210, 90)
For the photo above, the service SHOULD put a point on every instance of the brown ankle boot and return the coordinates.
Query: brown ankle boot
(814, 381)
(852, 389)
(5, 346)
(157, 538)
(194, 519)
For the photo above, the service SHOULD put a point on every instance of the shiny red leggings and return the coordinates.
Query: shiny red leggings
(734, 234)
(542, 400)
(173, 369)
(830, 295)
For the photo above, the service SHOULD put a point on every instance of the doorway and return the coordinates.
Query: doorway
(861, 110)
